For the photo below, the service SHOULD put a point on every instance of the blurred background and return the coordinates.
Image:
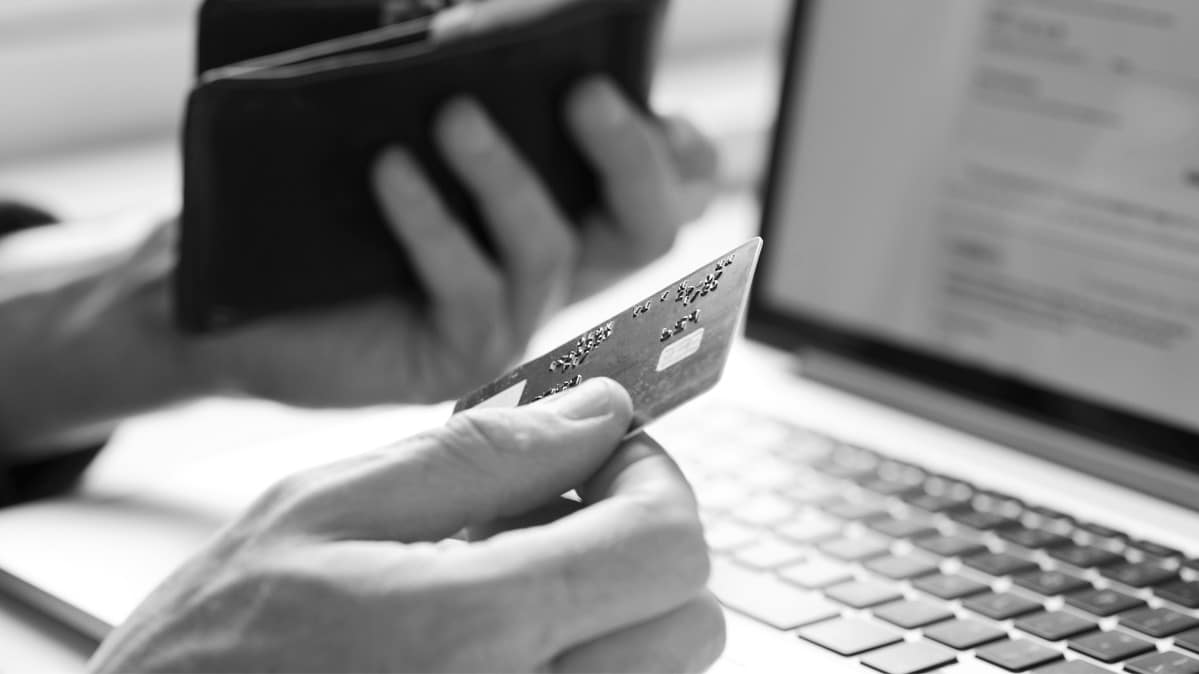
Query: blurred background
(93, 93)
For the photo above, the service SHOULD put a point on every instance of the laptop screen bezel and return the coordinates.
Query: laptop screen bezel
(787, 329)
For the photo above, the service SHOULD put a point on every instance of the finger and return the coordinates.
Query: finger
(462, 284)
(693, 156)
(639, 182)
(696, 163)
(534, 240)
(623, 469)
(482, 465)
(688, 639)
(633, 555)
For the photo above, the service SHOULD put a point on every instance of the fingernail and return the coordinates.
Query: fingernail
(467, 126)
(605, 103)
(591, 399)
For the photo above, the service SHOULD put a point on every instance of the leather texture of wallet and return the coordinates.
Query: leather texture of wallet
(281, 132)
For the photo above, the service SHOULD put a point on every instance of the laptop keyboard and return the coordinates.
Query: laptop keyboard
(907, 571)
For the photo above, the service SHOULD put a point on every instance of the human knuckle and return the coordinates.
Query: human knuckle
(482, 438)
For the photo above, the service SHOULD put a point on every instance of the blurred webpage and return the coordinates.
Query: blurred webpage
(1045, 219)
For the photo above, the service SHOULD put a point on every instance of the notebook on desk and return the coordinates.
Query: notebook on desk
(980, 223)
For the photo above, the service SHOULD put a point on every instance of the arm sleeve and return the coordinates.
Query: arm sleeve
(24, 481)
(21, 482)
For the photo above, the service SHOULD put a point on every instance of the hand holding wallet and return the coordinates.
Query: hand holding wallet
(281, 132)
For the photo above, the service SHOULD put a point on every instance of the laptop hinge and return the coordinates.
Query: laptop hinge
(1118, 465)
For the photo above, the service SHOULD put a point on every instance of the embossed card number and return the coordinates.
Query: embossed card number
(665, 349)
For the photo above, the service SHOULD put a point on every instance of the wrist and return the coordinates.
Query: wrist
(85, 355)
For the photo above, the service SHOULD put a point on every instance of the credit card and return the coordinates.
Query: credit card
(665, 349)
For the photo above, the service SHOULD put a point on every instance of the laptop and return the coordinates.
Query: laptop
(979, 223)
(964, 436)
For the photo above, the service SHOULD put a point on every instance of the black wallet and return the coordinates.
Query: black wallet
(295, 99)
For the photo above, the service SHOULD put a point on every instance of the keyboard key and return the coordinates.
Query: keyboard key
(902, 567)
(936, 503)
(721, 494)
(995, 502)
(1000, 564)
(1181, 592)
(1035, 539)
(802, 447)
(811, 528)
(1102, 532)
(964, 634)
(813, 492)
(1050, 515)
(816, 574)
(983, 521)
(1017, 655)
(950, 546)
(885, 486)
(913, 613)
(1188, 640)
(1163, 663)
(950, 586)
(1103, 602)
(856, 549)
(1155, 549)
(1140, 574)
(901, 473)
(1085, 556)
(1073, 667)
(1002, 605)
(940, 485)
(903, 528)
(726, 535)
(1056, 625)
(1109, 647)
(1158, 622)
(1050, 583)
(855, 511)
(849, 636)
(769, 553)
(768, 472)
(846, 471)
(909, 658)
(763, 510)
(863, 594)
(767, 598)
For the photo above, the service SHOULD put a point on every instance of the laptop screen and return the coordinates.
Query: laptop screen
(1000, 197)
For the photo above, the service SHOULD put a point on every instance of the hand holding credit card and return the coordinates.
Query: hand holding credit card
(665, 349)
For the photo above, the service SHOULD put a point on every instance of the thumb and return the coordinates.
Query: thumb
(482, 465)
